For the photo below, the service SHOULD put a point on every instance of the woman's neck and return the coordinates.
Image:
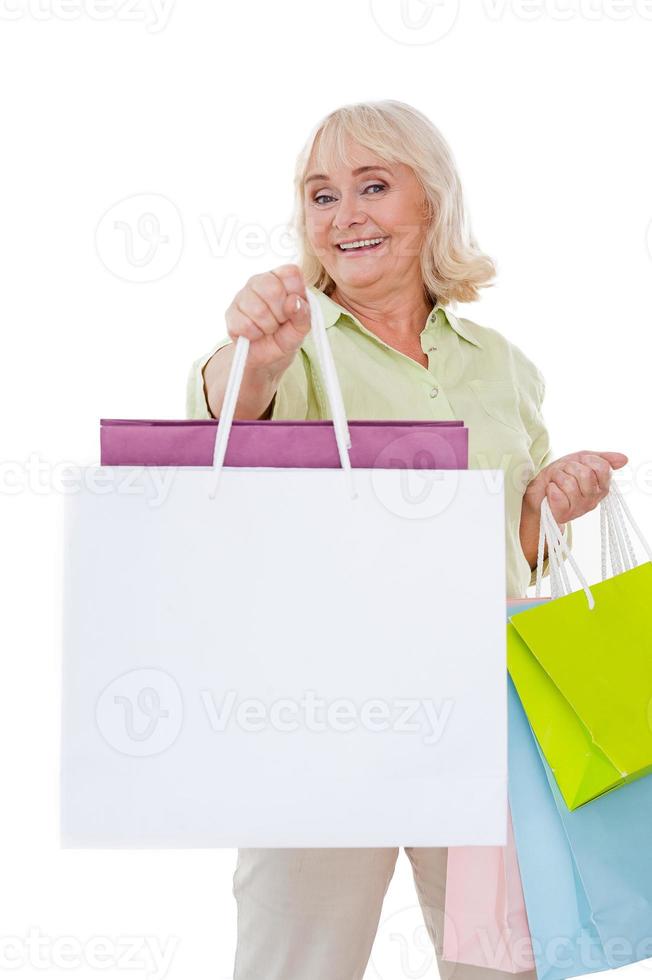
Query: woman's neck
(400, 315)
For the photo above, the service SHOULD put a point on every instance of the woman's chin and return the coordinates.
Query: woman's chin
(357, 273)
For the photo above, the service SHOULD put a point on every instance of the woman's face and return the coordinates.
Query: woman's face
(370, 201)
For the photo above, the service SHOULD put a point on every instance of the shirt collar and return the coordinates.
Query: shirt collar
(333, 311)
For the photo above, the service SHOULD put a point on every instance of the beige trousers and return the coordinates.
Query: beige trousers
(313, 913)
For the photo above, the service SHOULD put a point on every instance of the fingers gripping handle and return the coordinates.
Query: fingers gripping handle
(333, 392)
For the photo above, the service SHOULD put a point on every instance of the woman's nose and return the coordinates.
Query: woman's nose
(348, 213)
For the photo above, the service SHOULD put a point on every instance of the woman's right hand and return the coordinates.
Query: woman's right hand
(272, 311)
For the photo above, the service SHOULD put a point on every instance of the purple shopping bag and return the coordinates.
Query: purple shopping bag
(429, 445)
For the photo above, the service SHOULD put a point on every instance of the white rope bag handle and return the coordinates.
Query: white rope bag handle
(614, 540)
(333, 392)
(619, 545)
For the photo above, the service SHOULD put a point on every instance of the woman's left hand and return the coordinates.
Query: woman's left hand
(573, 484)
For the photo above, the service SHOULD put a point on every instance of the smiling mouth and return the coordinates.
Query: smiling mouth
(360, 246)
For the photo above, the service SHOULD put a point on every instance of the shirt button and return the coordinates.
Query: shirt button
(434, 392)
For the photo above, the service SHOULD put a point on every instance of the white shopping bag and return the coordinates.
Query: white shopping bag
(260, 658)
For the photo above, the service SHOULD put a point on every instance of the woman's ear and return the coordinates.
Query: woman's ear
(427, 209)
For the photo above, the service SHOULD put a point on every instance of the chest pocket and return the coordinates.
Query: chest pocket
(499, 399)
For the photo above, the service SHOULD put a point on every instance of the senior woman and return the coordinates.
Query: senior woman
(387, 249)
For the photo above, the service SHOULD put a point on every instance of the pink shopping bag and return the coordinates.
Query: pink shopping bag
(485, 919)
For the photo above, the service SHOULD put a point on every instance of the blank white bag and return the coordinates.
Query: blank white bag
(266, 660)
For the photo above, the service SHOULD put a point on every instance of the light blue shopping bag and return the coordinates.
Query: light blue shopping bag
(586, 874)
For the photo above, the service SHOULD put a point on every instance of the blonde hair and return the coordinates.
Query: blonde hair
(453, 267)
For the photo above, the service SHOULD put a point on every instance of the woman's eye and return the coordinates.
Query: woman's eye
(326, 198)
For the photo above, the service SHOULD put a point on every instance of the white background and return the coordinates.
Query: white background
(205, 105)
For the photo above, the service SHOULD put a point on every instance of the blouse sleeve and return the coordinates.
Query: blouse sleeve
(293, 399)
(196, 400)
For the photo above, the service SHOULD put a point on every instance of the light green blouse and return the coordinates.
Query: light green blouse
(474, 374)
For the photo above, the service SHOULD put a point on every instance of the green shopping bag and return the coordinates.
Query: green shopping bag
(582, 663)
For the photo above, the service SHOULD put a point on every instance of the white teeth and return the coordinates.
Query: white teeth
(362, 243)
